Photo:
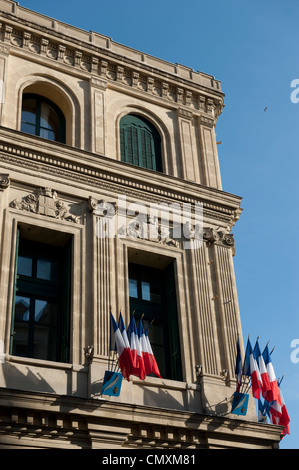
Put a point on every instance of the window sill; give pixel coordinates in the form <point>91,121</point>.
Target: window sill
<point>44,363</point>
<point>164,383</point>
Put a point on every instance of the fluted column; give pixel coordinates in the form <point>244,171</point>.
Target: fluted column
<point>104,274</point>
<point>209,153</point>
<point>205,318</point>
<point>227,300</point>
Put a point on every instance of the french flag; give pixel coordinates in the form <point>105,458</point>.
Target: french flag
<point>250,368</point>
<point>122,347</point>
<point>148,356</point>
<point>279,413</point>
<point>153,362</point>
<point>284,419</point>
<point>238,368</point>
<point>138,364</point>
<point>273,394</point>
<point>266,387</point>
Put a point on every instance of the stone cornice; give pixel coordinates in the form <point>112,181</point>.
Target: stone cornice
<point>92,171</point>
<point>199,92</point>
<point>137,423</point>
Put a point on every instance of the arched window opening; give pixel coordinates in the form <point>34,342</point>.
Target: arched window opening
<point>140,143</point>
<point>41,117</point>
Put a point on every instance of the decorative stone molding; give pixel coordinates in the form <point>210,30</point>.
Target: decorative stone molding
<point>184,113</point>
<point>4,181</point>
<point>99,83</point>
<point>155,233</point>
<point>92,61</point>
<point>206,121</point>
<point>101,179</point>
<point>211,236</point>
<point>44,202</point>
<point>102,207</point>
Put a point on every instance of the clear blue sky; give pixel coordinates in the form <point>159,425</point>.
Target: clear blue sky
<point>252,47</point>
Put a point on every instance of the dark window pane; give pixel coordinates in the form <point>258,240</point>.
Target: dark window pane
<point>21,326</point>
<point>145,290</point>
<point>28,128</point>
<point>48,134</point>
<point>45,312</point>
<point>25,265</point>
<point>48,117</point>
<point>47,269</point>
<point>29,111</point>
<point>45,330</point>
<point>22,308</point>
<point>133,288</point>
<point>45,343</point>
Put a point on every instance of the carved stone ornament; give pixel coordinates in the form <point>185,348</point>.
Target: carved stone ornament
<point>102,208</point>
<point>211,236</point>
<point>4,181</point>
<point>151,230</point>
<point>44,201</point>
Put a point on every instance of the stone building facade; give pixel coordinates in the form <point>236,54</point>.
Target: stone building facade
<point>94,136</point>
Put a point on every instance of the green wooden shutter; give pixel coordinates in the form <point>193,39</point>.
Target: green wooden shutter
<point>140,143</point>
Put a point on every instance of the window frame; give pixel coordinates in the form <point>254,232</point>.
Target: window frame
<point>167,315</point>
<point>39,289</point>
<point>61,131</point>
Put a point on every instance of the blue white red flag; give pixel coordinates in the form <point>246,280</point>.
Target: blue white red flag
<point>238,368</point>
<point>263,370</point>
<point>273,394</point>
<point>250,368</point>
<point>122,348</point>
<point>138,364</point>
<point>284,419</point>
<point>279,414</point>
<point>148,356</point>
<point>133,338</point>
<point>153,362</point>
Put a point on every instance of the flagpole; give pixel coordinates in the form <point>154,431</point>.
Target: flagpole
<point>244,385</point>
<point>109,354</point>
<point>280,380</point>
<point>265,347</point>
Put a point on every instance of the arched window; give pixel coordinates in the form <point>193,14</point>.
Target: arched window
<point>43,118</point>
<point>140,143</point>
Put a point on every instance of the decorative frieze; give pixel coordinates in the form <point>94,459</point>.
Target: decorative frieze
<point>166,89</point>
<point>143,226</point>
<point>44,201</point>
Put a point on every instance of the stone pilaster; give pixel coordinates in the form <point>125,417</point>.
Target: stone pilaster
<point>97,89</point>
<point>205,318</point>
<point>226,300</point>
<point>209,153</point>
<point>104,290</point>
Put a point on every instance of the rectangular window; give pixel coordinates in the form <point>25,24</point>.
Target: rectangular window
<point>153,295</point>
<point>40,326</point>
